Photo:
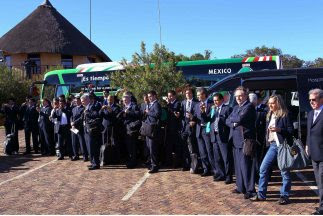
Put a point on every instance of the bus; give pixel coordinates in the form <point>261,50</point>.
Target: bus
<point>95,76</point>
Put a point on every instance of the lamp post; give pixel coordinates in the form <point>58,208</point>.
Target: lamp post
<point>90,20</point>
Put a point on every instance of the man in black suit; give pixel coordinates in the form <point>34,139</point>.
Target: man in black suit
<point>314,141</point>
<point>153,116</point>
<point>92,122</point>
<point>219,132</point>
<point>188,130</point>
<point>109,112</point>
<point>11,112</point>
<point>203,137</point>
<point>242,126</point>
<point>172,144</point>
<point>144,151</point>
<point>130,118</point>
<point>78,140</point>
<point>46,129</point>
<point>31,126</point>
<point>63,115</point>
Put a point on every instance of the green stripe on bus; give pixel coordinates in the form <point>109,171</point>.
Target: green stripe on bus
<point>208,62</point>
<point>250,59</point>
<point>274,58</point>
<point>89,70</point>
<point>108,68</point>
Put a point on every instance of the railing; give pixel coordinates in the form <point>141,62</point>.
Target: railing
<point>22,72</point>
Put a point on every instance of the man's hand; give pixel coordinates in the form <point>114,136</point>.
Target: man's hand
<point>177,114</point>
<point>192,123</point>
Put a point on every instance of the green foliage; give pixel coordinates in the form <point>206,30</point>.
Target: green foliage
<point>314,64</point>
<point>290,61</point>
<point>11,86</point>
<point>197,56</point>
<point>149,71</point>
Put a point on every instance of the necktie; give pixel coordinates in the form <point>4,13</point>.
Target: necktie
<point>315,115</point>
<point>188,106</point>
<point>216,122</point>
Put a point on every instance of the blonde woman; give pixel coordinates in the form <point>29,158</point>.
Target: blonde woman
<point>278,128</point>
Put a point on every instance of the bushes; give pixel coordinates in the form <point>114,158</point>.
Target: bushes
<point>11,86</point>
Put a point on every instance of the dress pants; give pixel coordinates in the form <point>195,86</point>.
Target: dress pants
<point>222,158</point>
<point>64,140</point>
<point>245,170</point>
<point>46,140</point>
<point>93,144</point>
<point>131,143</point>
<point>318,172</point>
<point>152,145</point>
<point>34,133</point>
<point>206,151</point>
<point>8,129</point>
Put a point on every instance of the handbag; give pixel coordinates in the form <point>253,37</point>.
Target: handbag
<point>133,127</point>
<point>148,129</point>
<point>9,142</point>
<point>292,157</point>
<point>249,146</point>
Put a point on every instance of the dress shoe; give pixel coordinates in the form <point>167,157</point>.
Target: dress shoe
<point>185,169</point>
<point>60,158</point>
<point>85,159</point>
<point>75,158</point>
<point>26,153</point>
<point>248,195</point>
<point>93,167</point>
<point>257,199</point>
<point>228,181</point>
<point>317,212</point>
<point>218,178</point>
<point>154,170</point>
<point>235,191</point>
<point>283,200</point>
<point>205,173</point>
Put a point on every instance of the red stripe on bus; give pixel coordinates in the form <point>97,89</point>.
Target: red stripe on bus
<point>256,59</point>
<point>270,58</point>
<point>244,59</point>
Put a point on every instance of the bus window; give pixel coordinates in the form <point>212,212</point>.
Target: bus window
<point>62,90</point>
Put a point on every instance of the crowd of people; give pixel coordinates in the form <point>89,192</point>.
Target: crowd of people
<point>202,136</point>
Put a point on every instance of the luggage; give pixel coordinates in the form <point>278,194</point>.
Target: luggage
<point>8,144</point>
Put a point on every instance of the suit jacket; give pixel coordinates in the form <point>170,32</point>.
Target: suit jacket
<point>132,115</point>
<point>186,128</point>
<point>154,113</point>
<point>142,110</point>
<point>261,112</point>
<point>31,117</point>
<point>223,129</point>
<point>11,115</point>
<point>110,118</point>
<point>58,115</point>
<point>199,119</point>
<point>315,136</point>
<point>77,114</point>
<point>44,115</point>
<point>245,118</point>
<point>286,127</point>
<point>173,123</point>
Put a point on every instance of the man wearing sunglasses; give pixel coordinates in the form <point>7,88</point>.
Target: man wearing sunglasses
<point>314,142</point>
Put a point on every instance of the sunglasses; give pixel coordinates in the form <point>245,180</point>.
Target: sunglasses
<point>313,100</point>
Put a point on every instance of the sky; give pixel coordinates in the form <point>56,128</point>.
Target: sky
<point>225,27</point>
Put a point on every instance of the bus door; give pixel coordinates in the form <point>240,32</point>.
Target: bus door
<point>62,90</point>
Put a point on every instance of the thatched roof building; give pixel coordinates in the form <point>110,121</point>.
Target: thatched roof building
<point>45,30</point>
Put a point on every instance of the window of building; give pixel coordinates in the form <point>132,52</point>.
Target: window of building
<point>67,61</point>
<point>33,63</point>
<point>7,60</point>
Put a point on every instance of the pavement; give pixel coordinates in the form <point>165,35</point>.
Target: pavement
<point>43,185</point>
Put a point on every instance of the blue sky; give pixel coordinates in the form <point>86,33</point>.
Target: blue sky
<point>189,26</point>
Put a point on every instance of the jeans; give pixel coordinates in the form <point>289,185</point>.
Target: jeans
<point>266,164</point>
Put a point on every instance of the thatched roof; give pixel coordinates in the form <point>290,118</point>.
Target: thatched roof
<point>46,30</point>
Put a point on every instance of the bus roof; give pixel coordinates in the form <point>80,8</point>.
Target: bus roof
<point>114,66</point>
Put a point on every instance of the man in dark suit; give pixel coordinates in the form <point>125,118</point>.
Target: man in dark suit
<point>11,112</point>
<point>109,112</point>
<point>130,119</point>
<point>219,132</point>
<point>153,116</point>
<point>144,151</point>
<point>314,141</point>
<point>242,126</point>
<point>31,126</point>
<point>63,115</point>
<point>92,122</point>
<point>78,140</point>
<point>46,129</point>
<point>203,137</point>
<point>188,130</point>
<point>172,144</point>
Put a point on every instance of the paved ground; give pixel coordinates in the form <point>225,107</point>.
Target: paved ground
<point>43,185</point>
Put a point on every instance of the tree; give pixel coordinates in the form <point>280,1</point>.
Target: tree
<point>290,61</point>
<point>196,56</point>
<point>149,71</point>
<point>316,63</point>
<point>11,86</point>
